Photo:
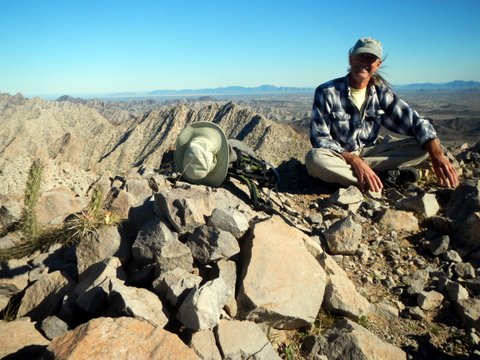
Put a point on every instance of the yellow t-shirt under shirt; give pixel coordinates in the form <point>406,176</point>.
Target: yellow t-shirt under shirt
<point>358,97</point>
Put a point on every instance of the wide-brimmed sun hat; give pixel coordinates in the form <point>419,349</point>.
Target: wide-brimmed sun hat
<point>367,45</point>
<point>201,154</point>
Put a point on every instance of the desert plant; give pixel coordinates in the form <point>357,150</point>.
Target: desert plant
<point>28,220</point>
<point>72,231</point>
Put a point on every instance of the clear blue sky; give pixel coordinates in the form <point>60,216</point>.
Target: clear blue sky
<point>85,46</point>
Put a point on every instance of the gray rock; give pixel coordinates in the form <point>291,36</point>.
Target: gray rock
<point>202,306</point>
<point>416,282</point>
<point>137,302</point>
<point>465,270</point>
<point>344,236</point>
<point>56,204</point>
<point>428,300</point>
<point>468,311</point>
<point>230,220</point>
<point>209,244</point>
<point>173,254</point>
<point>185,209</point>
<point>453,256</point>
<point>400,221</point>
<point>347,196</point>
<point>101,245</point>
<point>243,340</point>
<point>350,341</point>
<point>439,245</point>
<point>204,345</point>
<point>456,291</point>
<point>425,205</point>
<point>150,239</point>
<point>43,297</point>
<point>416,313</point>
<point>174,285</point>
<point>88,294</point>
<point>227,270</point>
<point>52,327</point>
<point>341,297</point>
<point>287,296</point>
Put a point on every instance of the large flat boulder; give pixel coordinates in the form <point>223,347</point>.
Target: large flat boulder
<point>282,283</point>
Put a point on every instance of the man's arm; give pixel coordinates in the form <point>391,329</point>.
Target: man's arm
<point>445,171</point>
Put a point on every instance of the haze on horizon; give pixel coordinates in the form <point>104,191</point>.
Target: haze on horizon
<point>58,47</point>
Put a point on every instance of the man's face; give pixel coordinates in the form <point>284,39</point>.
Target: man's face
<point>363,66</point>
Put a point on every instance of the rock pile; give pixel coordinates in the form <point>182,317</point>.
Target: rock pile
<point>195,272</point>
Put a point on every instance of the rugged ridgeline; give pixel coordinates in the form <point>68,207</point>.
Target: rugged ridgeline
<point>77,142</point>
<point>194,272</point>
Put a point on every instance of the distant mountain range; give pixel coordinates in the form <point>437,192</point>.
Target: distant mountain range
<point>452,85</point>
<point>271,89</point>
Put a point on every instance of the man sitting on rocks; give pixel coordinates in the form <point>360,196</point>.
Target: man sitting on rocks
<point>347,115</point>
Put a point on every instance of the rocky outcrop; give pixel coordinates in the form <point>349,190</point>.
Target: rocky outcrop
<point>195,265</point>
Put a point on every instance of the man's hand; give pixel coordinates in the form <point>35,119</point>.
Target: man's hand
<point>367,179</point>
<point>445,171</point>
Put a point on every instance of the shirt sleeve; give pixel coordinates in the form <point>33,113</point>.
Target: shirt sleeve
<point>404,120</point>
<point>320,136</point>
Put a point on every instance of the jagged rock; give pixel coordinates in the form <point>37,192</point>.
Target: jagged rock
<point>341,297</point>
<point>416,313</point>
<point>347,196</point>
<point>350,341</point>
<point>456,291</point>
<point>52,327</point>
<point>100,245</point>
<point>10,212</point>
<point>202,306</point>
<point>175,284</point>
<point>464,201</point>
<point>227,270</point>
<point>344,236</point>
<point>453,256</point>
<point>203,343</point>
<point>423,204</point>
<point>184,209</point>
<point>138,186</point>
<point>470,229</point>
<point>56,204</point>
<point>137,302</point>
<point>396,220</point>
<point>43,297</point>
<point>385,310</point>
<point>468,310</point>
<point>88,295</point>
<point>286,296</point>
<point>439,245</point>
<point>12,281</point>
<point>230,220</point>
<point>122,203</point>
<point>428,300</point>
<point>243,340</point>
<point>150,239</point>
<point>21,340</point>
<point>465,270</point>
<point>120,338</point>
<point>416,282</point>
<point>209,244</point>
<point>173,254</point>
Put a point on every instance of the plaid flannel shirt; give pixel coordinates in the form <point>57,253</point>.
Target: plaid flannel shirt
<point>338,125</point>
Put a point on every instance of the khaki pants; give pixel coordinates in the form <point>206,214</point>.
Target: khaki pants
<point>389,154</point>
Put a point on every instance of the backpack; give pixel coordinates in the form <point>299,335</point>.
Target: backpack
<point>254,172</point>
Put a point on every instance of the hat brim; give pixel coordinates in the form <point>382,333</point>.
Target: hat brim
<point>215,177</point>
<point>367,50</point>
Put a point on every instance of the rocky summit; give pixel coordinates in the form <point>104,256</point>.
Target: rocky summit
<point>167,269</point>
